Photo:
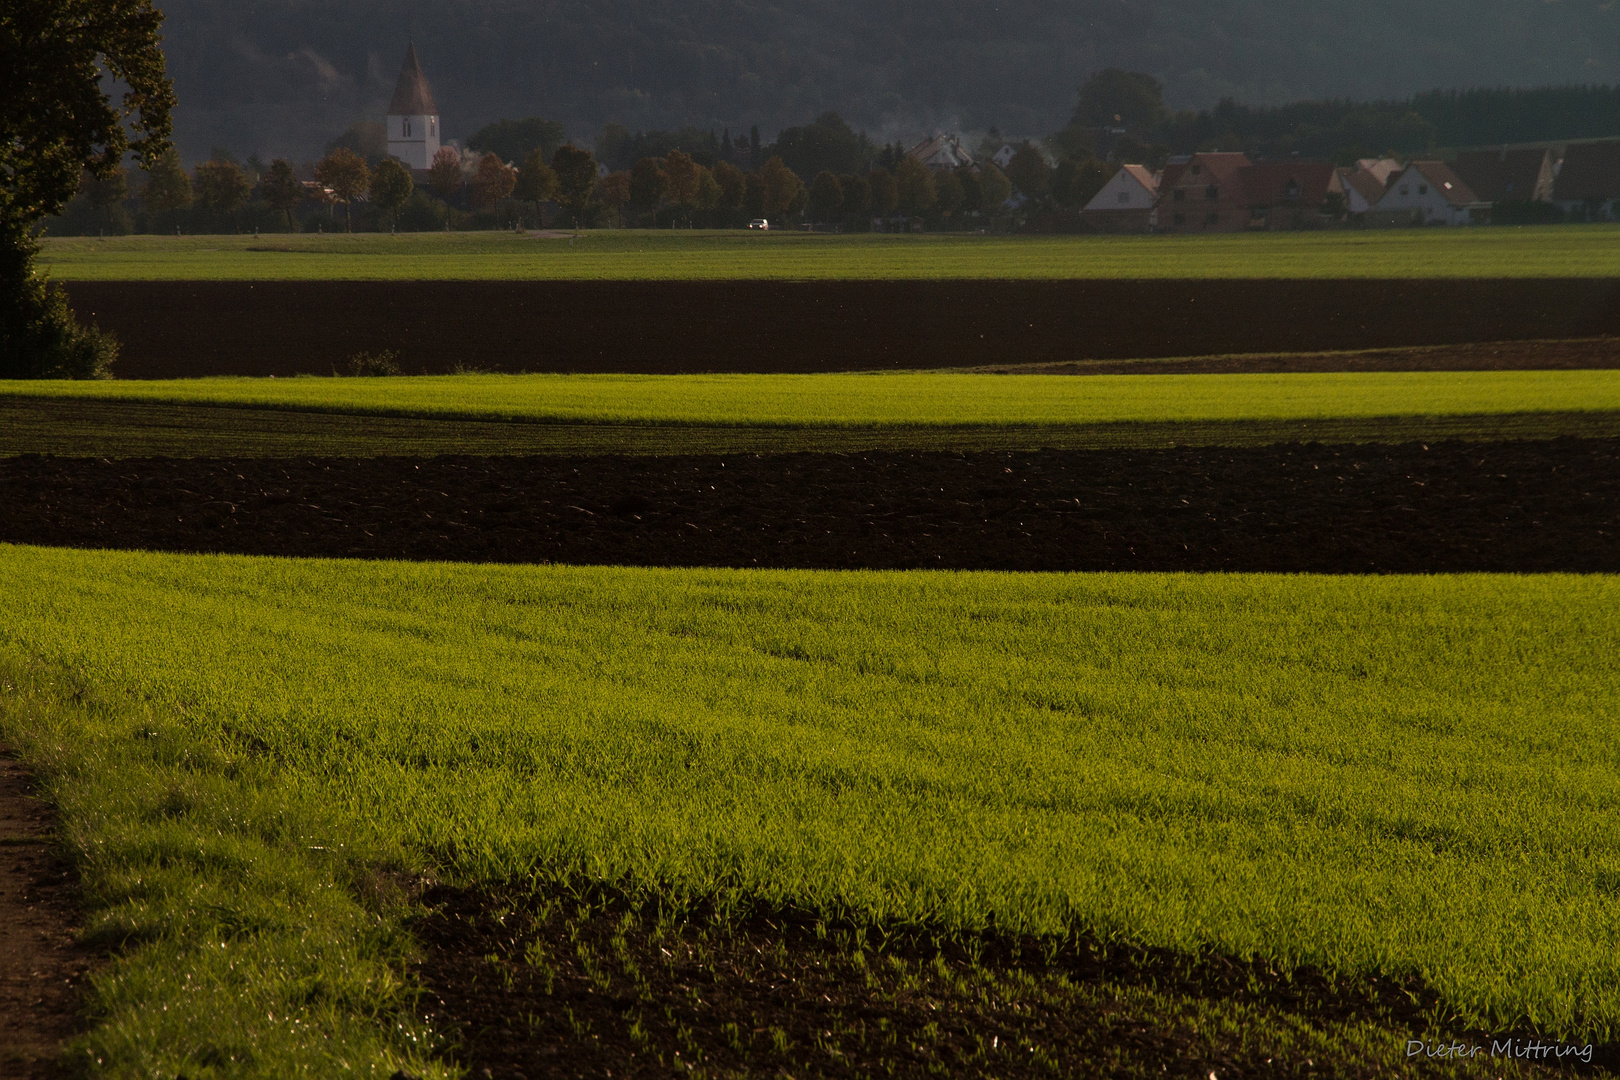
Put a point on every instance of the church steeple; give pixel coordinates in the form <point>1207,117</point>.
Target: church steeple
<point>413,118</point>
<point>411,94</point>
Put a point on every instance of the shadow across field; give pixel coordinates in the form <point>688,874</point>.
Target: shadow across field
<point>190,328</point>
<point>1549,505</point>
<point>84,427</point>
<point>587,981</point>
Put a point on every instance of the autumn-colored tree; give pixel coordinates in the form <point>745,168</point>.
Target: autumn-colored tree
<point>220,187</point>
<point>536,181</point>
<point>444,173</point>
<point>493,181</point>
<point>826,196</point>
<point>732,185</point>
<point>167,186</point>
<point>345,172</point>
<point>680,178</point>
<point>613,192</point>
<point>392,187</point>
<point>281,189</point>
<point>782,187</point>
<point>885,192</point>
<point>576,179</point>
<point>914,187</point>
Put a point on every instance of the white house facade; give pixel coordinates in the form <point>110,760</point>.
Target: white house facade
<point>413,118</point>
<point>1132,188</point>
<point>1434,195</point>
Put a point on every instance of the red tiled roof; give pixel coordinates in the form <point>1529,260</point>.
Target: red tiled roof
<point>1272,183</point>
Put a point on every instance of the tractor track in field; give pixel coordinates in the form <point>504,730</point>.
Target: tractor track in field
<point>42,966</point>
<point>1523,506</point>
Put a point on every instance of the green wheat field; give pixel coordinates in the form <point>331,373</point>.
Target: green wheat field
<point>1405,775</point>
<point>1590,251</point>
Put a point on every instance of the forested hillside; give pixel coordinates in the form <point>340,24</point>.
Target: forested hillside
<point>285,76</point>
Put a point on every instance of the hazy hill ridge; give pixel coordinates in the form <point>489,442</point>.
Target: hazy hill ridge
<point>284,76</point>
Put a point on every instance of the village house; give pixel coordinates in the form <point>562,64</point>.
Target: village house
<point>1429,193</point>
<point>1502,176</point>
<point>1365,182</point>
<point>1125,203</point>
<point>413,118</point>
<point>1588,183</point>
<point>940,152</point>
<point>1202,193</point>
<point>1292,194</point>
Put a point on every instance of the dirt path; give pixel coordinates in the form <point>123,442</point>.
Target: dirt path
<point>42,968</point>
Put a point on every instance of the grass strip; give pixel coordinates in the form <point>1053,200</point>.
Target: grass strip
<point>128,429</point>
<point>935,398</point>
<point>1542,251</point>
<point>1408,776</point>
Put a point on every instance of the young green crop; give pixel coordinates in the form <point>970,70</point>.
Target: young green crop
<point>1396,774</point>
<point>889,398</point>
<point>1547,251</point>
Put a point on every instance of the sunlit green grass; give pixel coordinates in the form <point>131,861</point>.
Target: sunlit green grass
<point>1544,251</point>
<point>1408,775</point>
<point>888,398</point>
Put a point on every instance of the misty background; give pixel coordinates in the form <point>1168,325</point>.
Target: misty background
<point>284,77</point>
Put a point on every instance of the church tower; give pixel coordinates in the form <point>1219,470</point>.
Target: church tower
<point>413,119</point>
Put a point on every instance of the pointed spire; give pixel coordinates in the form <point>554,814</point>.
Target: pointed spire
<point>412,96</point>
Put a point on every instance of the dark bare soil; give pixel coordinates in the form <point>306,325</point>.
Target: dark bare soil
<point>1551,505</point>
<point>580,985</point>
<point>189,328</point>
<point>42,968</point>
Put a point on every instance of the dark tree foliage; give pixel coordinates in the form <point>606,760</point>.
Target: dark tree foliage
<point>826,196</point>
<point>391,187</point>
<point>647,184</point>
<point>1118,98</point>
<point>367,138</point>
<point>515,140</point>
<point>828,145</point>
<point>576,179</point>
<point>618,148</point>
<point>56,123</point>
<point>280,188</point>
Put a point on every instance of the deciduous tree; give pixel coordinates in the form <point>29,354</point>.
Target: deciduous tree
<point>536,181</point>
<point>576,179</point>
<point>1029,172</point>
<point>826,196</point>
<point>281,189</point>
<point>444,174</point>
<point>167,187</point>
<point>857,196</point>
<point>647,184</point>
<point>391,188</point>
<point>732,185</point>
<point>56,122</point>
<point>949,196</point>
<point>493,181</point>
<point>782,187</point>
<point>345,172</point>
<point>220,188</point>
<point>681,176</point>
<point>994,188</point>
<point>885,192</point>
<point>914,187</point>
<point>613,192</point>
